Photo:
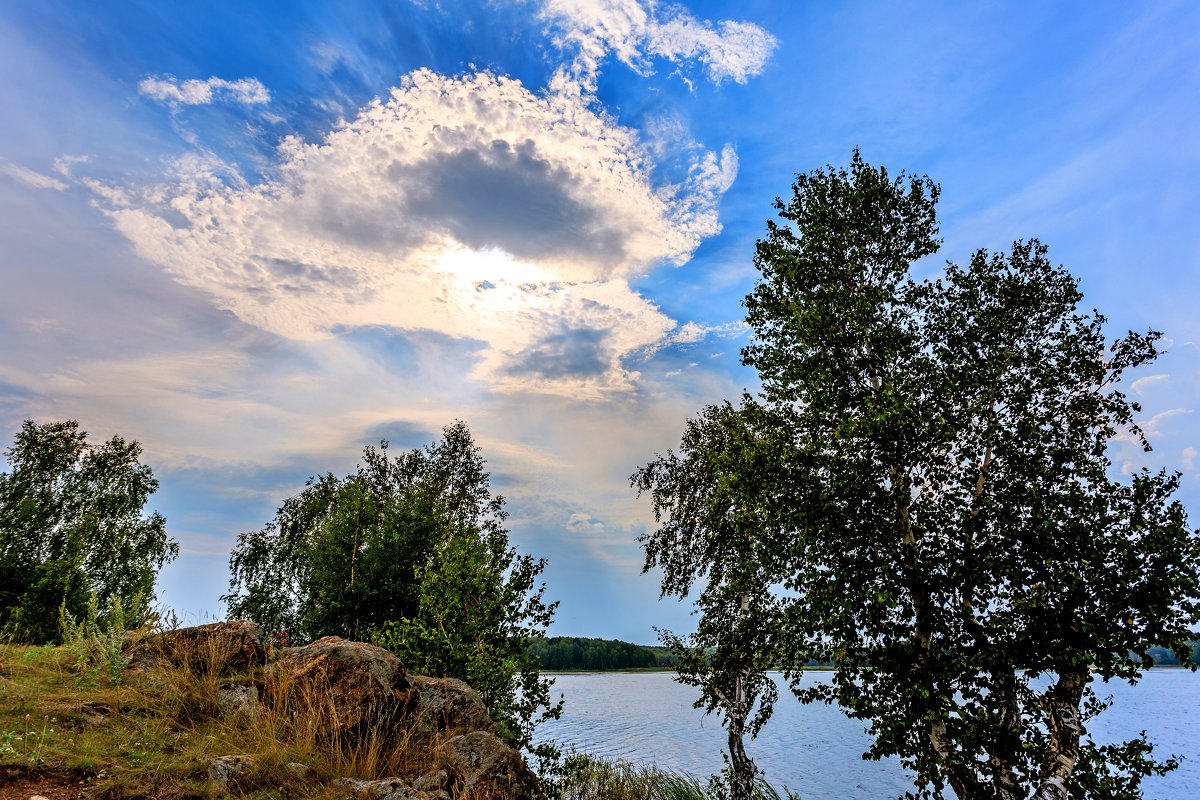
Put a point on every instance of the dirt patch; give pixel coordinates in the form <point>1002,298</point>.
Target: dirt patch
<point>24,783</point>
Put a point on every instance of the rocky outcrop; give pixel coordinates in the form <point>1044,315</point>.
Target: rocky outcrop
<point>439,704</point>
<point>235,700</point>
<point>391,789</point>
<point>488,768</point>
<point>431,786</point>
<point>348,689</point>
<point>220,648</point>
<point>352,685</point>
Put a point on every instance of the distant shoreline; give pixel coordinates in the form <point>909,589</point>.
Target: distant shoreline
<point>634,670</point>
<point>644,669</point>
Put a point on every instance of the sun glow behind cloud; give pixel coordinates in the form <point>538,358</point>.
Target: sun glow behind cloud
<point>468,206</point>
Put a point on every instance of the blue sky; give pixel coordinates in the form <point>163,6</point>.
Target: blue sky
<point>258,236</point>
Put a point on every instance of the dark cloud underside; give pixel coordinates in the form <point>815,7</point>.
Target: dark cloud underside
<point>507,197</point>
<point>571,354</point>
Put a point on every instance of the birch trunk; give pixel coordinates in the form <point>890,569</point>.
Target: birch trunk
<point>742,781</point>
<point>1061,702</point>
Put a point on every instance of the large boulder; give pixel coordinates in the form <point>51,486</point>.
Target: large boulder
<point>488,769</point>
<point>350,685</point>
<point>438,704</point>
<point>220,648</point>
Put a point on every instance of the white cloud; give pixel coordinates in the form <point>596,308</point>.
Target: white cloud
<point>326,56</point>
<point>732,50</point>
<point>1152,428</point>
<point>467,206</point>
<point>1141,384</point>
<point>27,177</point>
<point>168,90</point>
<point>692,332</point>
<point>1188,458</point>
<point>64,164</point>
<point>635,31</point>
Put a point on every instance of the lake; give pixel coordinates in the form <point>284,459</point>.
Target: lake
<point>816,751</point>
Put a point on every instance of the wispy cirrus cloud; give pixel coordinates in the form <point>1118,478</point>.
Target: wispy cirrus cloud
<point>169,90</point>
<point>30,178</point>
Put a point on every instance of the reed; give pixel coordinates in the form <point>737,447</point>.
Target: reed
<point>585,777</point>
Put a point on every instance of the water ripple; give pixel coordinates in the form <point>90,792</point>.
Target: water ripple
<point>815,750</point>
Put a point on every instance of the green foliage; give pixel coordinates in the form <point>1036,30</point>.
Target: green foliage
<point>958,531</point>
<point>410,552</point>
<point>96,640</point>
<point>50,589</point>
<point>723,526</point>
<point>571,652</point>
<point>71,523</point>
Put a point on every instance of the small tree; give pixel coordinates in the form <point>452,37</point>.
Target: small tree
<point>966,550</point>
<point>721,527</point>
<point>71,523</point>
<point>410,552</point>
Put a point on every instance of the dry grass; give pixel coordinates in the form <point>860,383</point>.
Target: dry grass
<point>154,735</point>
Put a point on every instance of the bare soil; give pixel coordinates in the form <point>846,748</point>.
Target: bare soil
<point>26,783</point>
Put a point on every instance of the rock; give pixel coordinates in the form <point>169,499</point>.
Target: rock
<point>437,704</point>
<point>222,768</point>
<point>94,714</point>
<point>220,648</point>
<point>432,781</point>
<point>235,700</point>
<point>385,789</point>
<point>488,768</point>
<point>300,771</point>
<point>353,685</point>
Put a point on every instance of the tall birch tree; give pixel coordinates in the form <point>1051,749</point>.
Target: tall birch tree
<point>964,546</point>
<point>720,531</point>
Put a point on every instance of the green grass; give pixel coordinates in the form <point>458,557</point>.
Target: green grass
<point>588,778</point>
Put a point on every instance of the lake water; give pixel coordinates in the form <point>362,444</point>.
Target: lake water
<point>816,751</point>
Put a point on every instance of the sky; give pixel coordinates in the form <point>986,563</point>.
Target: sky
<point>258,236</point>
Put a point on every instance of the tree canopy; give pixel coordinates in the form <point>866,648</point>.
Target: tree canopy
<point>961,545</point>
<point>923,497</point>
<point>72,524</point>
<point>722,528</point>
<point>411,552</point>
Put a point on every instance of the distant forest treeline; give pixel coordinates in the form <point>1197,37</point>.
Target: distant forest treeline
<point>572,652</point>
<point>1166,658</point>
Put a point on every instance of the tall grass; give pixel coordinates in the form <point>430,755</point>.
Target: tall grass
<point>584,777</point>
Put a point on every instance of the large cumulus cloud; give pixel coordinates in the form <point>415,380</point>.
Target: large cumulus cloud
<point>468,206</point>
